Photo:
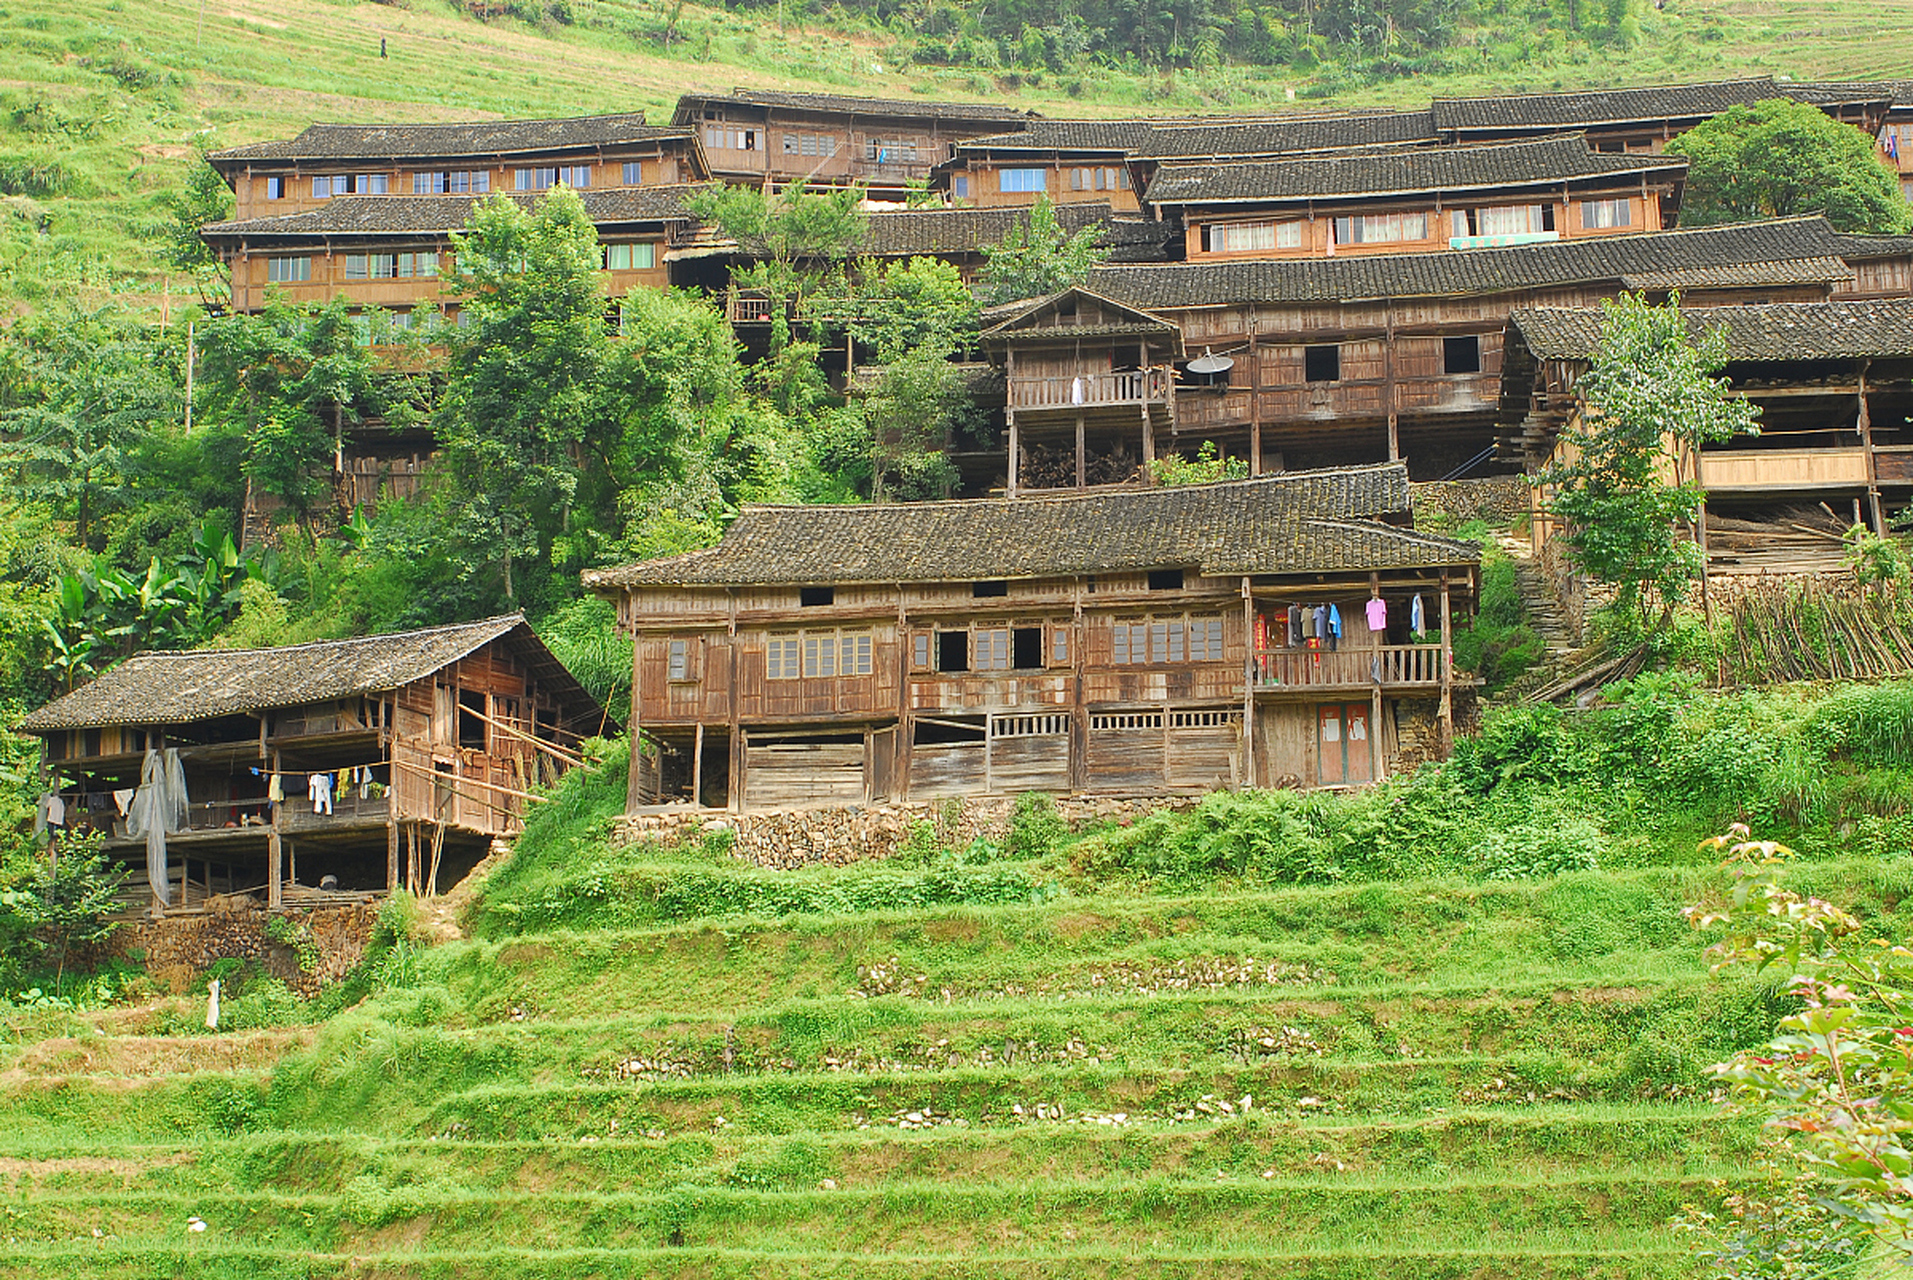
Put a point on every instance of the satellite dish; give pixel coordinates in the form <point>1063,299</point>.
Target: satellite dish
<point>1207,364</point>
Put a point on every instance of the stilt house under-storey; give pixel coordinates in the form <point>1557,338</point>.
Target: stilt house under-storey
<point>428,742</point>
<point>1132,641</point>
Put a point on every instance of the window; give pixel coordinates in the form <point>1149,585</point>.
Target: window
<point>576,176</point>
<point>1321,364</point>
<point>1246,237</point>
<point>1381,228</point>
<point>1041,724</point>
<point>1165,580</point>
<point>960,186</point>
<point>990,649</point>
<point>535,179</point>
<point>1126,720</point>
<point>953,651</point>
<point>1129,643</point>
<point>630,257</point>
<point>854,653</point>
<point>633,173</point>
<point>1601,215</point>
<point>983,589</point>
<point>1173,639</point>
<point>820,654</point>
<point>920,651</point>
<point>422,263</point>
<point>325,186</point>
<point>812,596</point>
<point>1101,178</point>
<point>1461,355</point>
<point>462,182</point>
<point>1205,639</point>
<point>810,144</point>
<point>891,150</point>
<point>679,665</point>
<point>275,188</point>
<point>372,266</point>
<point>1026,648</point>
<point>1514,219</point>
<point>1022,179</point>
<point>288,270</point>
<point>730,139</point>
<point>471,721</point>
<point>1059,646</point>
<point>780,658</point>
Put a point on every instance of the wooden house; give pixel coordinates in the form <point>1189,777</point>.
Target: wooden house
<point>1834,381</point>
<point>1356,359</point>
<point>1132,641</point>
<point>329,161</point>
<point>429,743</point>
<point>395,252</point>
<point>1410,200</point>
<point>758,136</point>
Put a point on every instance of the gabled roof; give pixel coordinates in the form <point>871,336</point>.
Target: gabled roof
<point>1286,135</point>
<point>963,230</point>
<point>432,215</point>
<point>184,686</point>
<point>845,104</point>
<point>1777,331</point>
<point>1563,158</point>
<point>1642,105</point>
<point>1788,251</point>
<point>1008,323</point>
<point>468,138</point>
<point>1298,522</point>
<point>1064,135</point>
<point>1854,247</point>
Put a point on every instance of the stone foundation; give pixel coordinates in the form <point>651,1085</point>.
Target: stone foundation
<point>175,950</point>
<point>1496,499</point>
<point>835,837</point>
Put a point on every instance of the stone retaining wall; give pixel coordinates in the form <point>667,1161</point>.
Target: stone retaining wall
<point>1496,499</point>
<point>835,837</point>
<point>175,950</point>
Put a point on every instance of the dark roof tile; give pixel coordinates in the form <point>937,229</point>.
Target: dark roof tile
<point>1288,135</point>
<point>1627,106</point>
<point>468,138</point>
<point>429,215</point>
<point>1399,171</point>
<point>838,103</point>
<point>1300,522</point>
<point>960,230</point>
<point>1774,331</point>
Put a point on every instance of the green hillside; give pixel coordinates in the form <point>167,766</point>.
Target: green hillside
<point>1328,1037</point>
<point>102,101</point>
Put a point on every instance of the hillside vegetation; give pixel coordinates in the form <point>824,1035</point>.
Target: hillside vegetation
<point>1452,1027</point>
<point>103,101</point>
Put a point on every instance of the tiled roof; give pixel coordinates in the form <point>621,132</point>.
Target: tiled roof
<point>961,230</point>
<point>425,215</point>
<point>1624,106</point>
<point>1004,321</point>
<point>1852,246</point>
<point>846,104</point>
<point>1798,245</point>
<point>1064,135</point>
<point>1398,171</point>
<point>1767,332</point>
<point>1286,135</point>
<point>470,138</point>
<point>180,687</point>
<point>1300,522</point>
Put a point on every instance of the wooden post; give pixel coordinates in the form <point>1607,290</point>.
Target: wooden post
<point>391,796</point>
<point>1248,685</point>
<point>1016,461</point>
<point>634,788</point>
<point>1874,505</point>
<point>1700,536</point>
<point>1081,462</point>
<point>1255,404</point>
<point>697,766</point>
<point>274,871</point>
<point>1375,761</point>
<point>1079,710</point>
<point>1148,445</point>
<point>1388,375</point>
<point>1446,713</point>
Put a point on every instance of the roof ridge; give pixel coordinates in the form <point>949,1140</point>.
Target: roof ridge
<point>1769,78</point>
<point>474,624</point>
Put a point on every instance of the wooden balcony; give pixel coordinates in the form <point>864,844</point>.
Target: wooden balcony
<point>1783,469</point>
<point>1310,670</point>
<point>1091,390</point>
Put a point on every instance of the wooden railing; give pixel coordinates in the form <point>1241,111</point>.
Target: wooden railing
<point>1132,387</point>
<point>1390,664</point>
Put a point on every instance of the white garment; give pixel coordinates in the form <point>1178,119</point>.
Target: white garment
<point>212,1005</point>
<point>55,809</point>
<point>275,789</point>
<point>123,797</point>
<point>319,789</point>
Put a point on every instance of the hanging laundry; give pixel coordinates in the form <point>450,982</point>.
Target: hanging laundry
<point>1320,615</point>
<point>319,791</point>
<point>1415,615</point>
<point>275,788</point>
<point>1308,624</point>
<point>122,798</point>
<point>55,809</point>
<point>1334,626</point>
<point>1377,614</point>
<point>1295,624</point>
<point>365,782</point>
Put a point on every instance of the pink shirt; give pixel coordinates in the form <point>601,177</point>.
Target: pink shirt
<point>1377,614</point>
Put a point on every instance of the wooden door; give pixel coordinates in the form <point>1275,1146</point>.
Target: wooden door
<point>1342,746</point>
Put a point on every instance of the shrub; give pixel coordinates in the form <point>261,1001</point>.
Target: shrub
<point>1534,852</point>
<point>1036,829</point>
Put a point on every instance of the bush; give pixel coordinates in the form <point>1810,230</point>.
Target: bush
<point>1534,852</point>
<point>1036,829</point>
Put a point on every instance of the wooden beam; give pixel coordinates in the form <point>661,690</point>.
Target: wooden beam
<point>697,766</point>
<point>1445,714</point>
<point>1248,685</point>
<point>1375,760</point>
<point>634,786</point>
<point>1878,510</point>
<point>274,870</point>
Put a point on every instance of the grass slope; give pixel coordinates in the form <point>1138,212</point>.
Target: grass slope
<point>117,94</point>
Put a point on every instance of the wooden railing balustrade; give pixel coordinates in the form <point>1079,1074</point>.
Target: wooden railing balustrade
<point>1130,387</point>
<point>1389,664</point>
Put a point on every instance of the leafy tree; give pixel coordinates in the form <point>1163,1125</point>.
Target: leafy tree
<point>1623,480</point>
<point>1781,158</point>
<point>204,198</point>
<point>1036,258</point>
<point>54,900</point>
<point>799,239</point>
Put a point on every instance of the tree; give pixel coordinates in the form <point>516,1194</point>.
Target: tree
<point>1837,1079</point>
<point>799,239</point>
<point>54,900</point>
<point>204,198</point>
<point>525,386</point>
<point>1624,478</point>
<point>1782,158</point>
<point>1036,258</point>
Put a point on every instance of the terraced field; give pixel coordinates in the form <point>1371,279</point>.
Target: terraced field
<point>1430,1079</point>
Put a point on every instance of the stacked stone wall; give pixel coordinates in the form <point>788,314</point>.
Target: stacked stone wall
<point>175,950</point>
